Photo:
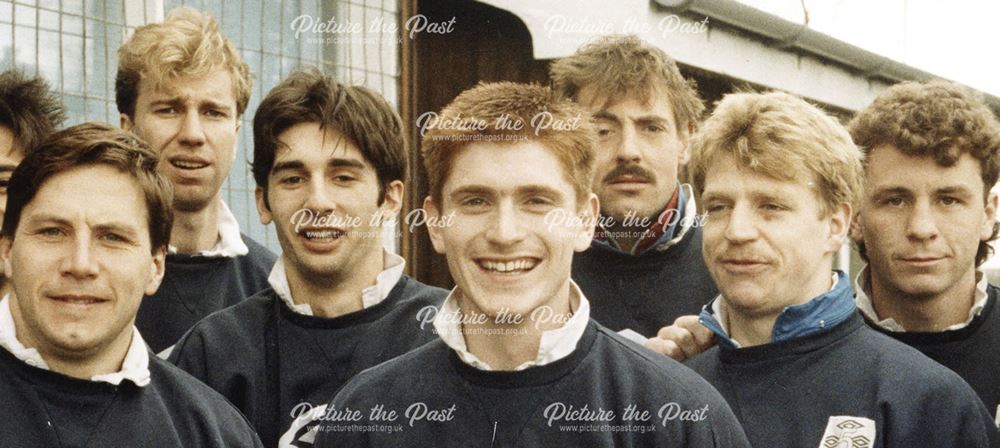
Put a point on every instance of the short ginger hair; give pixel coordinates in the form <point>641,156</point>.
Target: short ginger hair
<point>518,103</point>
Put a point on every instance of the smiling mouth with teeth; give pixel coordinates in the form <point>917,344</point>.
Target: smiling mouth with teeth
<point>509,267</point>
<point>322,235</point>
<point>182,164</point>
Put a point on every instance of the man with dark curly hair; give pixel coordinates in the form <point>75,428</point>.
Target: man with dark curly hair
<point>925,223</point>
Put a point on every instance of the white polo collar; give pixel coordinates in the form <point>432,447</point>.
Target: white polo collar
<point>135,366</point>
<point>862,288</point>
<point>230,243</point>
<point>555,344</point>
<point>370,296</point>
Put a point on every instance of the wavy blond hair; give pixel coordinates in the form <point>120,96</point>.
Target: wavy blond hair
<point>782,137</point>
<point>187,43</point>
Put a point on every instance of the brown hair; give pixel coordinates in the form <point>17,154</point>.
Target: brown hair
<point>361,115</point>
<point>91,144</point>
<point>782,137</point>
<point>187,43</point>
<point>940,120</point>
<point>28,108</point>
<point>625,64</point>
<point>480,108</point>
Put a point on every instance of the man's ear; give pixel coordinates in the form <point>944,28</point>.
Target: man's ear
<point>990,220</point>
<point>157,268</point>
<point>840,225</point>
<point>392,202</point>
<point>236,145</point>
<point>5,247</point>
<point>125,122</point>
<point>435,232</point>
<point>685,138</point>
<point>262,208</point>
<point>856,232</point>
<point>588,214</point>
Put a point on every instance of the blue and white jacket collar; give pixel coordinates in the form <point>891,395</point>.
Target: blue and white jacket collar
<point>817,315</point>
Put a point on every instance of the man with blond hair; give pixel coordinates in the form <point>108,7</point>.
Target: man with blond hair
<point>932,154</point>
<point>182,87</point>
<point>779,180</point>
<point>519,362</point>
<point>644,268</point>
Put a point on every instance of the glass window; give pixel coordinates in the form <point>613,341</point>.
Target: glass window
<point>74,43</point>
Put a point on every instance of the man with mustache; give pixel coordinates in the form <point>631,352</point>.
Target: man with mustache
<point>925,225</point>
<point>29,112</point>
<point>519,362</point>
<point>779,180</point>
<point>183,88</point>
<point>329,161</point>
<point>84,238</point>
<point>644,268</point>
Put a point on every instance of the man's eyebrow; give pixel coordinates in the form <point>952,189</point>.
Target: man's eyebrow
<point>651,119</point>
<point>471,189</point>
<point>340,162</point>
<point>539,189</point>
<point>120,227</point>
<point>216,105</point>
<point>954,189</point>
<point>605,115</point>
<point>178,101</point>
<point>890,189</point>
<point>287,165</point>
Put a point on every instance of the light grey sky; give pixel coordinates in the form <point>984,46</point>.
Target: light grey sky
<point>955,39</point>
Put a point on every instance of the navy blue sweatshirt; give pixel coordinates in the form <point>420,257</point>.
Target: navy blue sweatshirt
<point>608,392</point>
<point>45,409</point>
<point>276,365</point>
<point>194,287</point>
<point>972,352</point>
<point>644,292</point>
<point>839,385</point>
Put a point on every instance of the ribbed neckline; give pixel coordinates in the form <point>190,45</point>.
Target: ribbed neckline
<point>942,337</point>
<point>805,344</point>
<point>55,380</point>
<point>532,376</point>
<point>365,315</point>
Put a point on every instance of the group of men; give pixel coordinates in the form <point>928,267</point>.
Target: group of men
<point>571,247</point>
